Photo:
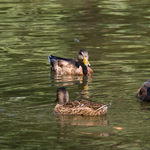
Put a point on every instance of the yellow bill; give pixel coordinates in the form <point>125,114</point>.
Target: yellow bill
<point>85,61</point>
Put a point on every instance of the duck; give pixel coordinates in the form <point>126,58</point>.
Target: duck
<point>77,107</point>
<point>70,66</point>
<point>143,92</point>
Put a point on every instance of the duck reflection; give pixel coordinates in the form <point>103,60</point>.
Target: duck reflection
<point>83,87</point>
<point>145,106</point>
<point>81,81</point>
<point>71,80</point>
<point>96,134</point>
<point>63,120</point>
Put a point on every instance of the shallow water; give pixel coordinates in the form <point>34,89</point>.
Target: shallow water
<point>116,35</point>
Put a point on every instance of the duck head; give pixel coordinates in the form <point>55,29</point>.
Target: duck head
<point>83,57</point>
<point>62,96</point>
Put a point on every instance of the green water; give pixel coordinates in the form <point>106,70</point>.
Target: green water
<point>117,37</point>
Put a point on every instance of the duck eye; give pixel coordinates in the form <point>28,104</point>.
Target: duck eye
<point>80,53</point>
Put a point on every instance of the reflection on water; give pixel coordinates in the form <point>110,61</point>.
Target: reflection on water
<point>65,80</point>
<point>96,134</point>
<point>84,88</point>
<point>64,120</point>
<point>145,106</point>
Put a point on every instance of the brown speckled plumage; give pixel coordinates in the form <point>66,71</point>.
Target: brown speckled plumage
<point>143,92</point>
<point>77,107</point>
<point>61,65</point>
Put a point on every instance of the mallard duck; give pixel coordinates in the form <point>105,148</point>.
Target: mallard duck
<point>143,92</point>
<point>77,107</point>
<point>71,66</point>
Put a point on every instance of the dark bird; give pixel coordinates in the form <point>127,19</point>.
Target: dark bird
<point>143,92</point>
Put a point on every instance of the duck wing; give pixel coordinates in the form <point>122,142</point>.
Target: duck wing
<point>62,61</point>
<point>85,103</point>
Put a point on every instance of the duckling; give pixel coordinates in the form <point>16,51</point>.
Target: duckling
<point>71,66</point>
<point>77,107</point>
<point>143,92</point>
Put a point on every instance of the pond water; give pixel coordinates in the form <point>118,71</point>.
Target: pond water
<point>117,36</point>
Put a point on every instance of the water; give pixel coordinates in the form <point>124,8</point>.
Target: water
<point>116,35</point>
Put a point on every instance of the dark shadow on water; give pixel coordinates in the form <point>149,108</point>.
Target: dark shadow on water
<point>145,105</point>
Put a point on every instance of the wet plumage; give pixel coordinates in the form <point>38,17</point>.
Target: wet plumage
<point>77,107</point>
<point>143,92</point>
<point>70,66</point>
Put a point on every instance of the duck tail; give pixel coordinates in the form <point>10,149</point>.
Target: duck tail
<point>105,106</point>
<point>49,59</point>
<point>108,105</point>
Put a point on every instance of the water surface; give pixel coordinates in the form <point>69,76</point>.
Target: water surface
<point>116,35</point>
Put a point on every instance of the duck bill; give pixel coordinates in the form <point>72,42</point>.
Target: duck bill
<point>85,61</point>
